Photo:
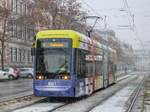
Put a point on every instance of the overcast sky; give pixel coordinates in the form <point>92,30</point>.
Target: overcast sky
<point>115,18</point>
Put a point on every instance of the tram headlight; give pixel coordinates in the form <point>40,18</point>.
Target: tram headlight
<point>39,77</point>
<point>66,77</point>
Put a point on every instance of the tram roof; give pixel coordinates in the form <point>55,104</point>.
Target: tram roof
<point>76,36</point>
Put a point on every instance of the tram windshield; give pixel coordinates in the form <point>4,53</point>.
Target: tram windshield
<point>51,61</point>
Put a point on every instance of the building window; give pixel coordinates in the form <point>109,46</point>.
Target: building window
<point>15,54</point>
<point>20,8</point>
<point>16,6</point>
<point>11,54</point>
<point>22,53</point>
<point>12,29</point>
<point>12,5</point>
<point>29,56</point>
<point>25,30</point>
<point>28,37</point>
<point>21,30</point>
<point>16,31</point>
<point>19,53</point>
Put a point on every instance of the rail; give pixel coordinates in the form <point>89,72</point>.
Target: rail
<point>141,85</point>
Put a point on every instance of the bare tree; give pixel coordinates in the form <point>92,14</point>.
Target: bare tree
<point>4,14</point>
<point>55,14</point>
<point>73,14</point>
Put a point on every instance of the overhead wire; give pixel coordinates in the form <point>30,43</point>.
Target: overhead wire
<point>93,10</point>
<point>130,15</point>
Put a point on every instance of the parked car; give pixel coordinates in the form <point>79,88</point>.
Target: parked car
<point>12,73</point>
<point>3,75</point>
<point>26,72</point>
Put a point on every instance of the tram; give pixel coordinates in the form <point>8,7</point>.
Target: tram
<point>70,64</point>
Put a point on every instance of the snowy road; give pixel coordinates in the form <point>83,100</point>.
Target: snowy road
<point>117,103</point>
<point>10,89</point>
<point>121,89</point>
<point>118,93</point>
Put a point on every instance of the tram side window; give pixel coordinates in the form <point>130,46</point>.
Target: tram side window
<point>99,68</point>
<point>89,68</point>
<point>81,64</point>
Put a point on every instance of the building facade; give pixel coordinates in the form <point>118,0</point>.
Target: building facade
<point>19,35</point>
<point>142,59</point>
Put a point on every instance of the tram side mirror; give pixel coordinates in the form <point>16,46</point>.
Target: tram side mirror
<point>32,51</point>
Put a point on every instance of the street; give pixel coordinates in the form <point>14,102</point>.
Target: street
<point>15,87</point>
<point>122,91</point>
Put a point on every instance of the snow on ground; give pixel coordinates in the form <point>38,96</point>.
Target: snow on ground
<point>40,107</point>
<point>123,77</point>
<point>117,102</point>
<point>140,73</point>
<point>120,72</point>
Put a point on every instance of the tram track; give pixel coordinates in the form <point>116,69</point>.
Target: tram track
<point>131,100</point>
<point>110,95</point>
<point>146,97</point>
<point>119,80</point>
<point>136,94</point>
<point>23,93</point>
<point>12,104</point>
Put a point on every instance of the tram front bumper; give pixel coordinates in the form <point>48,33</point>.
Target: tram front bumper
<point>56,91</point>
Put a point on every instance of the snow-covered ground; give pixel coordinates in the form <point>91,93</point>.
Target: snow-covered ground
<point>140,73</point>
<point>123,72</point>
<point>117,102</point>
<point>123,77</point>
<point>120,72</point>
<point>40,107</point>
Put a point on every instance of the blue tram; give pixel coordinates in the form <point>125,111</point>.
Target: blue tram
<point>69,64</point>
